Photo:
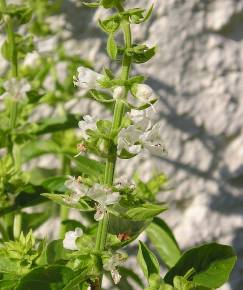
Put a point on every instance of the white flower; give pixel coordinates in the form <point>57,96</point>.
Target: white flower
<point>31,59</point>
<point>142,94</point>
<point>151,140</point>
<point>69,241</point>
<point>87,123</point>
<point>119,92</point>
<point>87,78</point>
<point>140,119</point>
<point>128,139</point>
<point>122,183</point>
<point>77,189</point>
<point>145,93</point>
<point>16,89</point>
<point>104,197</point>
<point>112,263</point>
<point>133,139</point>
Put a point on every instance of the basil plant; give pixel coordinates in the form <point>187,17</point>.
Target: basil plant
<point>38,81</point>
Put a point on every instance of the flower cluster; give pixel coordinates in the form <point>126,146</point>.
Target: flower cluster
<point>102,195</point>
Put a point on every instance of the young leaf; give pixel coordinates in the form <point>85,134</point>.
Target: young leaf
<point>147,261</point>
<point>111,24</point>
<point>164,242</point>
<point>112,47</point>
<point>145,211</point>
<point>142,57</point>
<point>213,264</point>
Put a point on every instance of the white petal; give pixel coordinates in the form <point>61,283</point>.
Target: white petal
<point>135,149</point>
<point>98,193</point>
<point>115,276</point>
<point>87,78</point>
<point>119,92</point>
<point>112,198</point>
<point>69,241</point>
<point>100,212</point>
<point>76,187</point>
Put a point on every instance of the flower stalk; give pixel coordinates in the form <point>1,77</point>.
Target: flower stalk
<point>117,119</point>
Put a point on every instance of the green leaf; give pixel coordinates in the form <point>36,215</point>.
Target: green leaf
<point>92,4</point>
<point>145,211</point>
<point>8,266</point>
<point>164,242</point>
<point>29,197</point>
<point>78,279</point>
<point>21,12</point>
<point>54,124</point>
<point>6,50</point>
<point>8,284</point>
<point>142,57</point>
<point>180,283</point>
<point>101,96</point>
<point>110,24</point>
<point>37,148</point>
<point>89,166</point>
<point>147,261</point>
<point>55,252</point>
<point>33,220</point>
<point>138,18</point>
<point>104,127</point>
<point>48,278</point>
<point>128,273</point>
<point>53,184</point>
<point>111,47</point>
<point>213,264</point>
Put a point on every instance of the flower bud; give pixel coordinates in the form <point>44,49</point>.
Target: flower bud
<point>119,93</point>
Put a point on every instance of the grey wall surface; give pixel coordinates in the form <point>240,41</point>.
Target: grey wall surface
<point>197,73</point>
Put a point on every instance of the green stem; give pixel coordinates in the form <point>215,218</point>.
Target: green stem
<point>17,225</point>
<point>14,103</point>
<point>11,40</point>
<point>117,119</point>
<point>64,211</point>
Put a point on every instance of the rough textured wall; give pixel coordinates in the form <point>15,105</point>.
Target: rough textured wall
<point>197,74</point>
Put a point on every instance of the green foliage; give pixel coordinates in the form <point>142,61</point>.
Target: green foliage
<point>164,241</point>
<point>212,264</point>
<point>147,261</point>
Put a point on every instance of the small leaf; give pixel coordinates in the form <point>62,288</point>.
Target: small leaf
<point>164,242</point>
<point>145,56</point>
<point>147,261</point>
<point>55,184</point>
<point>92,4</point>
<point>213,264</point>
<point>145,211</point>
<point>110,24</point>
<point>112,47</point>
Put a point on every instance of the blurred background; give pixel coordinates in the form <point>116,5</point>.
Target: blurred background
<point>197,74</point>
